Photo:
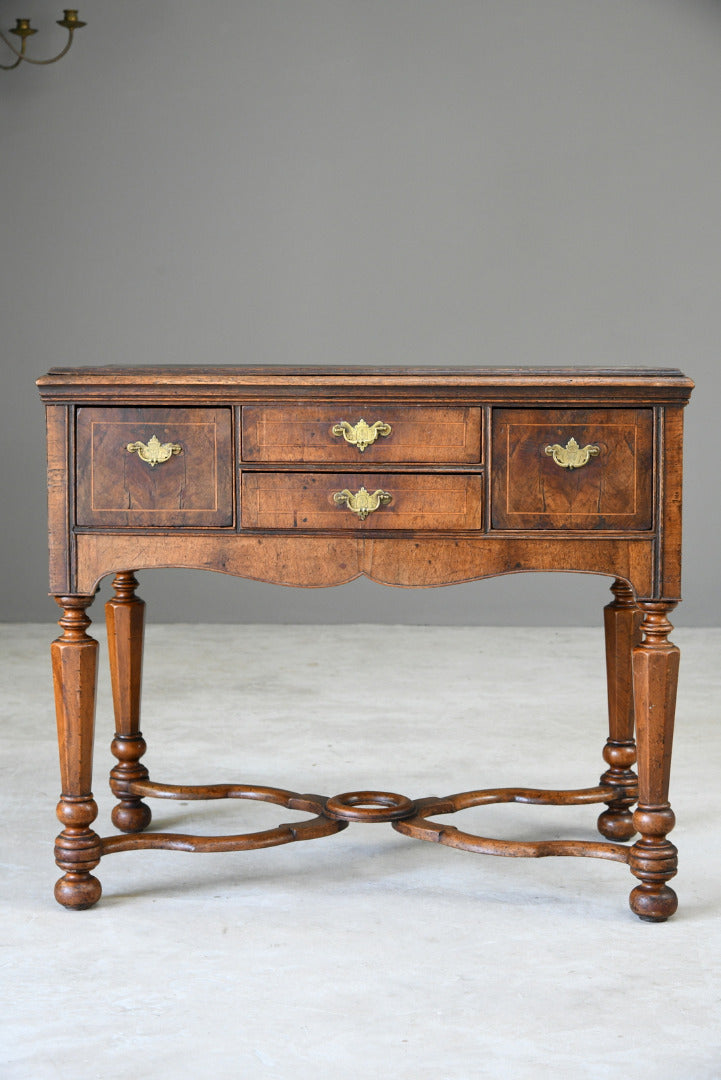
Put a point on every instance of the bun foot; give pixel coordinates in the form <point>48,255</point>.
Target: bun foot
<point>78,891</point>
<point>616,825</point>
<point>653,904</point>
<point>131,817</point>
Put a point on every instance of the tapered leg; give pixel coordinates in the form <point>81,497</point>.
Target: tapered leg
<point>655,675</point>
<point>622,622</point>
<point>75,665</point>
<point>125,618</point>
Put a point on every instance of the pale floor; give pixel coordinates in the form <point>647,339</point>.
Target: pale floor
<point>363,954</point>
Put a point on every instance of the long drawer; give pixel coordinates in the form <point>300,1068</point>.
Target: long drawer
<point>357,432</point>
<point>360,501</point>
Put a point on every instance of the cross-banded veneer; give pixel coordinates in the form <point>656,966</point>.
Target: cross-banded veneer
<point>413,477</point>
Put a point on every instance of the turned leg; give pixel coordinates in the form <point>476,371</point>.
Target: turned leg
<point>622,622</point>
<point>655,675</point>
<point>75,665</point>
<point>125,617</point>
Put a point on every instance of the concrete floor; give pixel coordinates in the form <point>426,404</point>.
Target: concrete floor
<point>365,953</point>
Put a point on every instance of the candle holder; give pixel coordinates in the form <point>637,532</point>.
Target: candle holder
<point>24,30</point>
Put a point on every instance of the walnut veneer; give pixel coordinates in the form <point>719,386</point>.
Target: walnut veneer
<point>412,477</point>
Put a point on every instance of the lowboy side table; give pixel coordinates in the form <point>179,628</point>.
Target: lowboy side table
<point>413,477</point>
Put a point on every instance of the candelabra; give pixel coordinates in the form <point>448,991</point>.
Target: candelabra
<point>24,30</point>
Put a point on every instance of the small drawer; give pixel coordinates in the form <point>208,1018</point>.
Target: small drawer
<point>337,501</point>
<point>357,431</point>
<point>188,483</point>
<point>540,479</point>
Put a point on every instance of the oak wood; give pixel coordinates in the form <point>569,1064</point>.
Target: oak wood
<point>117,488</point>
<point>613,491</point>
<point>303,433</point>
<point>305,501</point>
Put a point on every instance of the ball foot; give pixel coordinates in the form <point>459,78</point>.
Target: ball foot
<point>653,903</point>
<point>78,891</point>
<point>616,825</point>
<point>131,817</point>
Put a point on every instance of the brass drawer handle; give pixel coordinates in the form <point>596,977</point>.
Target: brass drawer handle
<point>153,452</point>
<point>363,502</point>
<point>360,434</point>
<point>572,456</point>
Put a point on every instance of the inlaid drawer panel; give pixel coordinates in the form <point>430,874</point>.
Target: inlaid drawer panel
<point>353,432</point>
<point>179,471</point>
<point>572,469</point>
<point>360,501</point>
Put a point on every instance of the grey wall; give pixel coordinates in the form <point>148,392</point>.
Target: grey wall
<point>353,181</point>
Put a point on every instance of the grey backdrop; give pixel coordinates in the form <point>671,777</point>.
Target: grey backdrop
<point>362,181</point>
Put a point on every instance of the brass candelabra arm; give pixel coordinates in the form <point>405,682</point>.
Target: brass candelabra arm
<point>24,30</point>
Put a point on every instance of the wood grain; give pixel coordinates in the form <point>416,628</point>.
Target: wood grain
<point>613,491</point>
<point>317,561</point>
<point>622,622</point>
<point>670,490</point>
<point>60,542</point>
<point>619,516</point>
<point>75,670</point>
<point>125,621</point>
<point>116,489</point>
<point>653,858</point>
<point>305,501</point>
<point>303,433</point>
<point>180,384</point>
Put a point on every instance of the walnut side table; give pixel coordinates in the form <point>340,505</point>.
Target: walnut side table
<point>412,477</point>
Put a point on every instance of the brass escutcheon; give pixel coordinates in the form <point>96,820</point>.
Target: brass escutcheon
<point>360,434</point>
<point>572,456</point>
<point>363,502</point>
<point>153,452</point>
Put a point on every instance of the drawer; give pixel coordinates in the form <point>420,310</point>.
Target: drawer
<point>307,501</point>
<point>192,487</point>
<point>535,487</point>
<point>315,433</point>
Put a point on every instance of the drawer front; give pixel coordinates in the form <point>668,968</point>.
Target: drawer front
<point>534,488</point>
<point>308,501</point>
<point>120,488</point>
<point>321,433</point>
